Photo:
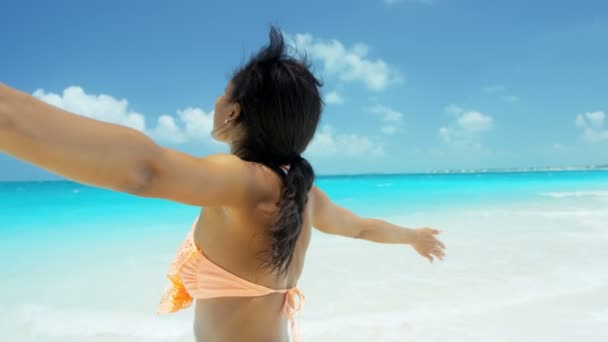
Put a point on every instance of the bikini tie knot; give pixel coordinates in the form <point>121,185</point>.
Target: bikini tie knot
<point>294,299</point>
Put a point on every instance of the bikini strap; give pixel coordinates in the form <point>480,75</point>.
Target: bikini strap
<point>294,300</point>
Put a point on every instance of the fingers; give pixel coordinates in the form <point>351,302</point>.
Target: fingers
<point>433,252</point>
<point>429,246</point>
<point>430,255</point>
<point>436,232</point>
<point>434,241</point>
<point>441,244</point>
<point>439,254</point>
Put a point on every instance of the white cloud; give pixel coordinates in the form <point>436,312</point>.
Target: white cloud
<point>595,136</point>
<point>467,126</point>
<point>167,130</point>
<point>191,124</point>
<point>455,136</point>
<point>349,64</point>
<point>499,89</point>
<point>496,88</point>
<point>101,107</point>
<point>595,119</point>
<point>388,130</point>
<point>473,121</point>
<point>580,121</point>
<point>511,98</point>
<point>390,118</point>
<point>453,109</point>
<point>334,98</point>
<point>446,134</point>
<point>197,123</point>
<point>592,124</point>
<point>327,143</point>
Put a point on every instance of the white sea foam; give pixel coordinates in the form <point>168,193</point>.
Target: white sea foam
<point>457,314</point>
<point>44,323</point>
<point>435,312</point>
<point>601,315</point>
<point>551,214</point>
<point>600,194</point>
<point>526,271</point>
<point>529,271</point>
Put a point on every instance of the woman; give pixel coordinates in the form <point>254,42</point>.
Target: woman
<point>243,258</point>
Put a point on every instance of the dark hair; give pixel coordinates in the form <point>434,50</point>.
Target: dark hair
<point>280,110</point>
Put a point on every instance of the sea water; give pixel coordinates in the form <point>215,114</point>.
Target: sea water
<point>527,260</point>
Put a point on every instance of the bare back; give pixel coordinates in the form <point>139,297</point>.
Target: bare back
<point>237,239</point>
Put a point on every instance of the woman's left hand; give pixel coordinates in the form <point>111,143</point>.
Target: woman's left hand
<point>427,244</point>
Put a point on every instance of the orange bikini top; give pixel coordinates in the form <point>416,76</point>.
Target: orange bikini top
<point>193,275</point>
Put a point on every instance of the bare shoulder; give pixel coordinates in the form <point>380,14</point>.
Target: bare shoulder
<point>318,201</point>
<point>317,197</point>
<point>265,184</point>
<point>214,180</point>
<point>226,158</point>
<point>234,170</point>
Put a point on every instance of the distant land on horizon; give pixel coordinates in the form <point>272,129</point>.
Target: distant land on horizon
<point>482,170</point>
<point>487,170</point>
<point>532,168</point>
<point>440,171</point>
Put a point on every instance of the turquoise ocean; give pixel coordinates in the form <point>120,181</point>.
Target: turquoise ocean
<point>527,260</point>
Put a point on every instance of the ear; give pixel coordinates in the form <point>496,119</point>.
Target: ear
<point>236,112</point>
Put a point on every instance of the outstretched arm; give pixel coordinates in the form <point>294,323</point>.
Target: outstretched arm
<point>113,156</point>
<point>330,218</point>
<point>79,148</point>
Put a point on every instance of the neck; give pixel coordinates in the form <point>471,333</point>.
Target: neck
<point>232,148</point>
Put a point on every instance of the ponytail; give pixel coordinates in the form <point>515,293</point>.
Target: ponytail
<point>281,107</point>
<point>297,181</point>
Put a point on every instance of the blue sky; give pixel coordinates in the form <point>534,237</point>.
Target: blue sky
<point>410,85</point>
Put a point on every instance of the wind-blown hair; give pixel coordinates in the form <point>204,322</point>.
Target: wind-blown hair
<point>280,109</point>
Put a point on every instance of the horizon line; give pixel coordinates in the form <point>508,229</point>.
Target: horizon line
<point>601,167</point>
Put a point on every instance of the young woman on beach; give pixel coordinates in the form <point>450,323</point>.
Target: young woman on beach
<point>242,259</point>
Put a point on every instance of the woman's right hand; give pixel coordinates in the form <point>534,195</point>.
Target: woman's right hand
<point>427,244</point>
